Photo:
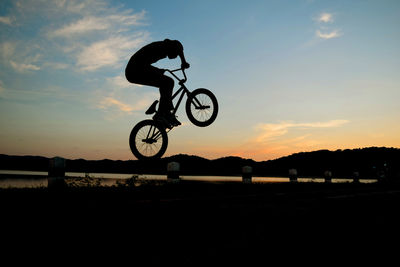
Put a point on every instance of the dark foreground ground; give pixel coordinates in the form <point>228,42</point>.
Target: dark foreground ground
<point>199,223</point>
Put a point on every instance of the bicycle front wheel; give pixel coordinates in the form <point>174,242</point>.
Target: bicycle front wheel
<point>202,107</point>
<point>148,140</point>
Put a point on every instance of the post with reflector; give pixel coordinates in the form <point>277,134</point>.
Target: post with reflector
<point>173,169</point>
<point>56,174</point>
<point>328,176</point>
<point>293,175</point>
<point>356,177</point>
<point>247,173</point>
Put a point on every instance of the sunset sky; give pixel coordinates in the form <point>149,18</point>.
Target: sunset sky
<point>290,76</point>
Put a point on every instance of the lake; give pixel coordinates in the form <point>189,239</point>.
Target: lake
<point>39,179</point>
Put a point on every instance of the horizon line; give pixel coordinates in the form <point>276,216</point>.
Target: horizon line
<point>191,155</point>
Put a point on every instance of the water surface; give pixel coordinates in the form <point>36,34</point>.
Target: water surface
<point>33,179</point>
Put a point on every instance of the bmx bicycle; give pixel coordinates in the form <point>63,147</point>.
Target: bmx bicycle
<point>149,139</point>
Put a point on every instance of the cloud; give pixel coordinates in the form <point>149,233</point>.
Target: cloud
<point>106,47</point>
<point>113,97</point>
<point>19,57</point>
<point>90,34</point>
<point>111,102</point>
<point>6,20</point>
<point>56,65</point>
<point>81,38</point>
<point>108,52</point>
<point>324,31</point>
<point>325,18</point>
<point>269,131</point>
<point>82,7</point>
<point>100,23</point>
<point>22,67</point>
<point>328,124</point>
<point>2,89</point>
<point>118,82</point>
<point>274,140</point>
<point>7,49</point>
<point>59,8</point>
<point>328,35</point>
<point>80,27</point>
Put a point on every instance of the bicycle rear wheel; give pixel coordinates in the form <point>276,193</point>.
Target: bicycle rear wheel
<point>202,107</point>
<point>148,140</point>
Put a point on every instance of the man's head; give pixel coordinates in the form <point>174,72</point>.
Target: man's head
<point>174,47</point>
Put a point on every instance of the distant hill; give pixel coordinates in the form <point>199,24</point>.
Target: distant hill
<point>369,162</point>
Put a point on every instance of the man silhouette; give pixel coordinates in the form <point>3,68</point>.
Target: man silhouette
<point>140,71</point>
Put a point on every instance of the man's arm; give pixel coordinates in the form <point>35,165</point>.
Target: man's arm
<point>184,64</point>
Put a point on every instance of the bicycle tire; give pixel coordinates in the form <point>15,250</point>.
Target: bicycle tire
<point>207,112</point>
<point>148,140</point>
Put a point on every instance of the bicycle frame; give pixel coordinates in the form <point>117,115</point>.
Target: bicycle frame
<point>145,136</point>
<point>183,88</point>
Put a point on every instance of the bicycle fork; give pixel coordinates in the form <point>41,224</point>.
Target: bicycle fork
<point>152,136</point>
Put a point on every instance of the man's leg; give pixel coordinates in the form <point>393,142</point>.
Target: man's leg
<point>166,105</point>
<point>166,89</point>
<point>152,76</point>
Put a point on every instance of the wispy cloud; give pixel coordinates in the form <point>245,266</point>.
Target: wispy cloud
<point>79,37</point>
<point>111,102</point>
<point>326,28</point>
<point>2,89</point>
<point>119,81</point>
<point>20,62</point>
<point>7,50</point>
<point>328,35</point>
<point>325,17</point>
<point>108,52</point>
<point>55,8</point>
<point>100,23</point>
<point>6,20</point>
<point>107,46</point>
<point>274,140</point>
<point>80,27</point>
<point>120,98</point>
<point>22,67</point>
<point>270,131</point>
<point>89,34</point>
<point>56,65</point>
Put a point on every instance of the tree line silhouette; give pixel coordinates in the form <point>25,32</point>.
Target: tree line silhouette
<point>372,162</point>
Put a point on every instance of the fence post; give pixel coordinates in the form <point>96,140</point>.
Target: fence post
<point>56,173</point>
<point>247,172</point>
<point>293,175</point>
<point>356,177</point>
<point>328,176</point>
<point>173,169</point>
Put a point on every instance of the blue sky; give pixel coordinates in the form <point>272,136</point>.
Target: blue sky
<point>290,76</point>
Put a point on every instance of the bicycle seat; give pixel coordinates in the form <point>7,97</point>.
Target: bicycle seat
<point>152,108</point>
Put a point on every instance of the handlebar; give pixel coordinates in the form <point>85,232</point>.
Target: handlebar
<point>181,81</point>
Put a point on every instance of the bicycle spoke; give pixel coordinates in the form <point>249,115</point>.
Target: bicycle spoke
<point>157,136</point>
<point>196,102</point>
<point>202,107</point>
<point>149,140</point>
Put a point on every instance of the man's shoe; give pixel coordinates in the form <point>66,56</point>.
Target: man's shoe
<point>163,120</point>
<point>173,120</point>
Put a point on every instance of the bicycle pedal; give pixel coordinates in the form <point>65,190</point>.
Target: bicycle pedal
<point>166,124</point>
